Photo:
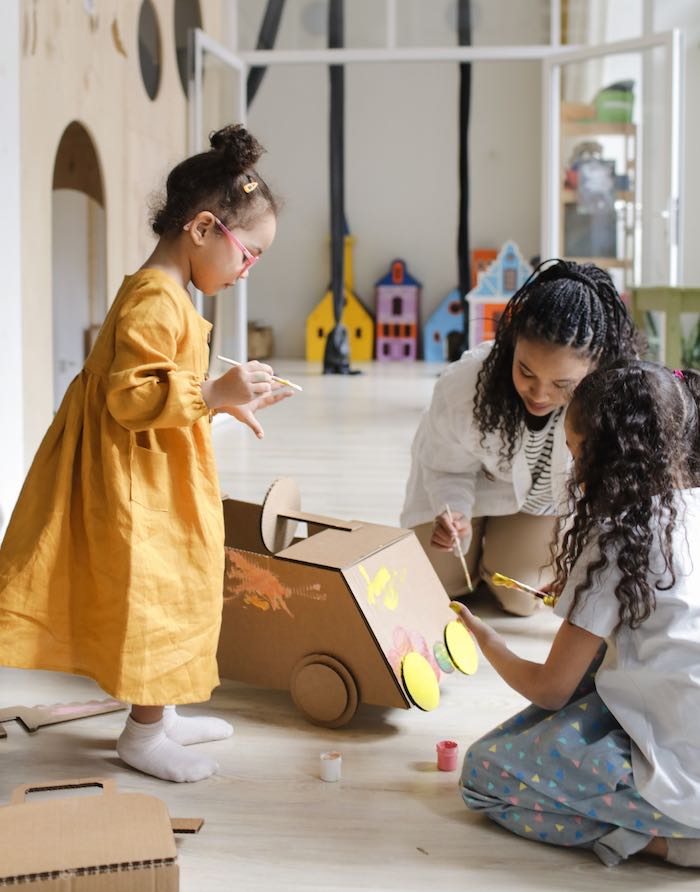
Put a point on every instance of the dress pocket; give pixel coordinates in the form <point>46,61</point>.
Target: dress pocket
<point>150,484</point>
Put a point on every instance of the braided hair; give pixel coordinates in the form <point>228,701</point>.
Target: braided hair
<point>640,430</point>
<point>562,303</point>
<point>214,181</point>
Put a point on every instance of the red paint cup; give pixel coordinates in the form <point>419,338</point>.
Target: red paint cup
<point>447,752</point>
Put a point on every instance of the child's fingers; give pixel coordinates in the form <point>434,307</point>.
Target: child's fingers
<point>252,422</point>
<point>272,398</point>
<point>261,387</point>
<point>255,366</point>
<point>260,377</point>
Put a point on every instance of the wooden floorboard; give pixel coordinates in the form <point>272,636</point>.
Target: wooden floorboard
<point>394,822</point>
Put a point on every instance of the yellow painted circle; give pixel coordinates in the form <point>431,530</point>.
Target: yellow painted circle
<point>420,681</point>
<point>461,648</point>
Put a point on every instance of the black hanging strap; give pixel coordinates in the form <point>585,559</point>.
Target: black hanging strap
<point>464,27</point>
<point>336,358</point>
<point>266,41</point>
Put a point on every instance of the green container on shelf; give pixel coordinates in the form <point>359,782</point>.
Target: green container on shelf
<point>614,106</point>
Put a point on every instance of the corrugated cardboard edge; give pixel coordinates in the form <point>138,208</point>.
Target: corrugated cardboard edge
<point>186,825</point>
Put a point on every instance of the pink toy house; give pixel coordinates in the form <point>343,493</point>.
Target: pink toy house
<point>398,297</point>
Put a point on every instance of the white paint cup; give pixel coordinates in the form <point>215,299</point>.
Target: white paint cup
<point>331,764</point>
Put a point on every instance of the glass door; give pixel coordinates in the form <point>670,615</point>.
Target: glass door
<point>612,165</point>
<point>217,96</point>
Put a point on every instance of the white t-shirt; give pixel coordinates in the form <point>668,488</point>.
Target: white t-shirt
<point>650,678</point>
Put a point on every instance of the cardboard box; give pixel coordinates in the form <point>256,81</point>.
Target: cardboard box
<point>577,111</point>
<point>261,343</point>
<point>329,617</point>
<point>107,842</point>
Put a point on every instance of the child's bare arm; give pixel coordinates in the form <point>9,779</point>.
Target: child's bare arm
<point>549,684</point>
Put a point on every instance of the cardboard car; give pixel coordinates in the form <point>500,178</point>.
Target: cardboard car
<point>354,612</point>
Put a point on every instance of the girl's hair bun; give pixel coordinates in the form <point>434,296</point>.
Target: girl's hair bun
<point>239,148</point>
<point>215,180</point>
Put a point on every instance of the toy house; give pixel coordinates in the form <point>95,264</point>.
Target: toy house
<point>481,258</point>
<point>397,314</point>
<point>495,287</point>
<point>352,613</point>
<point>356,317</point>
<point>443,332</point>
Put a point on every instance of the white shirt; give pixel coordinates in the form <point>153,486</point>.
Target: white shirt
<point>450,464</point>
<point>650,678</point>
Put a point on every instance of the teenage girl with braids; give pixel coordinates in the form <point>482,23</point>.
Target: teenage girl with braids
<point>608,755</point>
<point>491,446</point>
<point>112,564</point>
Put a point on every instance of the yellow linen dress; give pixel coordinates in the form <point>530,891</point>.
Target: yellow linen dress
<point>112,564</point>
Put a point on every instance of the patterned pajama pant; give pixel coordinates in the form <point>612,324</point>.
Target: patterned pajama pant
<point>565,778</point>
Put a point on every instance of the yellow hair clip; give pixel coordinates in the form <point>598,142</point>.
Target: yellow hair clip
<point>251,186</point>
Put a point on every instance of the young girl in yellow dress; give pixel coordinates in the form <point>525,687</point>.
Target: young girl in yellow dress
<point>113,561</point>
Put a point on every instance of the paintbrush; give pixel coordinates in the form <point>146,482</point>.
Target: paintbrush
<point>499,579</point>
<point>458,552</point>
<point>274,377</point>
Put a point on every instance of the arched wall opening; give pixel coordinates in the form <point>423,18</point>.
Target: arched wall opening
<point>79,239</point>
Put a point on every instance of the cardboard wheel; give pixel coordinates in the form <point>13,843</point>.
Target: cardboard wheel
<point>277,532</point>
<point>324,691</point>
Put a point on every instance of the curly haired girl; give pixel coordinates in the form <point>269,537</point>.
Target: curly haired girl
<point>608,755</point>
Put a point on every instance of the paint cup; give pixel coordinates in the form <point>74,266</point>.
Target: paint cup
<point>331,764</point>
<point>447,751</point>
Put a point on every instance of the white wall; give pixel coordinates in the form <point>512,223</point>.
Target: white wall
<point>11,402</point>
<point>401,165</point>
<point>79,61</point>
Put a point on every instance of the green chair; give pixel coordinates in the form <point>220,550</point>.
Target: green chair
<point>667,342</point>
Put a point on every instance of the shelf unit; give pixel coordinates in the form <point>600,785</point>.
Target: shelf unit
<point>621,256</point>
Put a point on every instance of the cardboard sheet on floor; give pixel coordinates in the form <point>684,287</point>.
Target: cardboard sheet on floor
<point>329,617</point>
<point>34,717</point>
<point>106,842</point>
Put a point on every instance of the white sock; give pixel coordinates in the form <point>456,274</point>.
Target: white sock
<point>196,729</point>
<point>147,748</point>
<point>684,852</point>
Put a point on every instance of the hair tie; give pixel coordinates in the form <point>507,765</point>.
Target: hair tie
<point>562,269</point>
<point>679,374</point>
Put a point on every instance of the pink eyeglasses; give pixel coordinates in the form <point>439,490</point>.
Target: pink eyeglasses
<point>248,258</point>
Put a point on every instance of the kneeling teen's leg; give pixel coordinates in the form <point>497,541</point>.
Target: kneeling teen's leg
<point>447,566</point>
<point>517,545</point>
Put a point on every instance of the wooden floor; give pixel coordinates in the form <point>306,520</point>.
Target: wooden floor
<point>394,822</point>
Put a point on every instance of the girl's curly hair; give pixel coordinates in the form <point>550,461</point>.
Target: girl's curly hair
<point>640,442</point>
<point>563,303</point>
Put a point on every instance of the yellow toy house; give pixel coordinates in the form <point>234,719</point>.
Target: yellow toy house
<point>356,317</point>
